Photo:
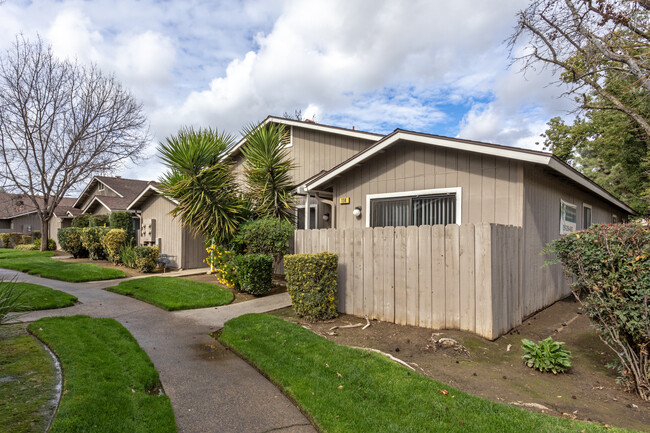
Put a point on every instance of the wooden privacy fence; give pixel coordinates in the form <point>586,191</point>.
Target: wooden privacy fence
<point>466,277</point>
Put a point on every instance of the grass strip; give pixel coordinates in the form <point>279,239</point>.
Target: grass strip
<point>351,390</point>
<point>110,384</point>
<point>35,297</point>
<point>172,293</point>
<point>27,382</point>
<point>40,263</point>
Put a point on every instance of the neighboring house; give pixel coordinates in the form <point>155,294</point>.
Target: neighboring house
<point>18,214</point>
<point>408,179</point>
<point>104,194</point>
<point>62,217</point>
<point>159,227</point>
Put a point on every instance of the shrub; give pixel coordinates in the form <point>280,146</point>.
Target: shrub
<point>36,234</point>
<point>51,244</point>
<point>548,355</point>
<point>146,258</point>
<point>27,239</point>
<point>264,236</point>
<point>122,220</point>
<point>91,239</point>
<point>81,221</point>
<point>28,247</point>
<point>311,282</point>
<point>224,262</point>
<point>127,256</point>
<point>70,241</point>
<point>98,221</point>
<point>254,273</point>
<point>113,242</point>
<point>6,240</point>
<point>16,239</point>
<point>609,271</point>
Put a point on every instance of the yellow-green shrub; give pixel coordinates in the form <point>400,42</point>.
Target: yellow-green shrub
<point>113,242</point>
<point>255,273</point>
<point>91,239</point>
<point>311,282</point>
<point>6,240</point>
<point>26,247</point>
<point>70,241</point>
<point>146,258</point>
<point>27,239</point>
<point>16,239</point>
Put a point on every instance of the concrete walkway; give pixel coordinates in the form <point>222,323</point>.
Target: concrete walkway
<point>211,389</point>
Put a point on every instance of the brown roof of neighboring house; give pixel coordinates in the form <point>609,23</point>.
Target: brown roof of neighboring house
<point>13,205</point>
<point>126,189</point>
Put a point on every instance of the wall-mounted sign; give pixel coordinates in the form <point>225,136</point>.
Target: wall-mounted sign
<point>344,200</point>
<point>568,217</point>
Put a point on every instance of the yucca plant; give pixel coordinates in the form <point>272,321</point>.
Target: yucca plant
<point>10,301</point>
<point>201,180</point>
<point>268,171</point>
<point>548,355</point>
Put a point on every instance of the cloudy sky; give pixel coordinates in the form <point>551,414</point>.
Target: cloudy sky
<point>424,65</point>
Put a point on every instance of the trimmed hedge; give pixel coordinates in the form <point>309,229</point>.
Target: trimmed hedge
<point>609,270</point>
<point>16,239</point>
<point>70,241</point>
<point>36,234</point>
<point>113,242</point>
<point>146,258</point>
<point>6,240</point>
<point>88,220</point>
<point>311,282</point>
<point>26,247</point>
<point>264,236</point>
<point>27,239</point>
<point>255,273</point>
<point>122,220</point>
<point>91,239</point>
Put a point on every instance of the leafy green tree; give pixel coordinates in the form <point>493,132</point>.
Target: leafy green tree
<point>267,168</point>
<point>608,146</point>
<point>200,179</point>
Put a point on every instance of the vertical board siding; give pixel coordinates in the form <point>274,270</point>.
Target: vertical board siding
<point>447,277</point>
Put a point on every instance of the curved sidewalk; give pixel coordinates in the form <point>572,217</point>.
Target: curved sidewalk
<point>210,388</point>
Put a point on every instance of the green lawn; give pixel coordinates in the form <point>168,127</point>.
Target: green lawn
<point>171,293</point>
<point>41,264</point>
<point>351,390</point>
<point>35,297</point>
<point>27,381</point>
<point>110,383</point>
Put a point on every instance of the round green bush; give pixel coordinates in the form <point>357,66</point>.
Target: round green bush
<point>255,273</point>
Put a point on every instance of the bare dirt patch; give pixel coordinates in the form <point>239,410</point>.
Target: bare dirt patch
<point>488,369</point>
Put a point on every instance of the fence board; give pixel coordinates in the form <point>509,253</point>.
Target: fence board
<point>424,276</point>
<point>357,277</point>
<point>323,242</point>
<point>368,273</point>
<point>452,275</point>
<point>438,277</point>
<point>483,272</point>
<point>412,278</point>
<point>349,274</point>
<point>389,273</point>
<point>379,253</point>
<point>400,275</point>
<point>467,279</point>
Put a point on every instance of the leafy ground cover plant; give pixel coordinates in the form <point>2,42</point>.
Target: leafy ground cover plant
<point>548,355</point>
<point>609,270</point>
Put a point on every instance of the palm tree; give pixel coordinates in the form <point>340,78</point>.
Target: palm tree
<point>267,169</point>
<point>201,181</point>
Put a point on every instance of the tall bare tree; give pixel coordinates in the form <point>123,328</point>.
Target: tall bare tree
<point>587,40</point>
<point>60,124</point>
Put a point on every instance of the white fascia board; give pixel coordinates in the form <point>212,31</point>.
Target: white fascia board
<point>576,177</point>
<point>146,190</point>
<point>315,127</point>
<point>23,214</point>
<point>100,202</point>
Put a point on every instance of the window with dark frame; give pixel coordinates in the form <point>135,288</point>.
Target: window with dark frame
<point>586,217</point>
<point>431,209</point>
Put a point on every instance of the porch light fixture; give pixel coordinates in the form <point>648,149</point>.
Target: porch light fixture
<point>326,217</point>
<point>357,211</point>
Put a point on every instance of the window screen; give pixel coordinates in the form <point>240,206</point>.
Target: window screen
<point>413,211</point>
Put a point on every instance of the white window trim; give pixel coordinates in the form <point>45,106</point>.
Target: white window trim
<point>566,203</point>
<point>100,187</point>
<point>586,205</point>
<point>301,208</point>
<point>457,190</point>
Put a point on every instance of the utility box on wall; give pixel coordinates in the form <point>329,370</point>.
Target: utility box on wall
<point>148,231</point>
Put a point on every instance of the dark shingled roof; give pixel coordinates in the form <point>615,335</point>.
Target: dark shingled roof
<point>12,205</point>
<point>129,189</point>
